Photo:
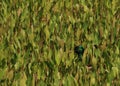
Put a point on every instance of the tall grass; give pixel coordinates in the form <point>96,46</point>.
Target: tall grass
<point>37,40</point>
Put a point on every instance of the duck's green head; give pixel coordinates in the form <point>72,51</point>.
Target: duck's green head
<point>79,50</point>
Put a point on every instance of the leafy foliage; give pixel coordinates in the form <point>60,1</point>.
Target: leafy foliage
<point>37,40</point>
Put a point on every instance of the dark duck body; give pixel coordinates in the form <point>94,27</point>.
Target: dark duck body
<point>79,50</point>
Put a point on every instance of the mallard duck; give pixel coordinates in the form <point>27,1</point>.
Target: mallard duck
<point>79,50</point>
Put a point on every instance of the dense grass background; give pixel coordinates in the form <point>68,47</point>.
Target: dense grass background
<point>37,39</point>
